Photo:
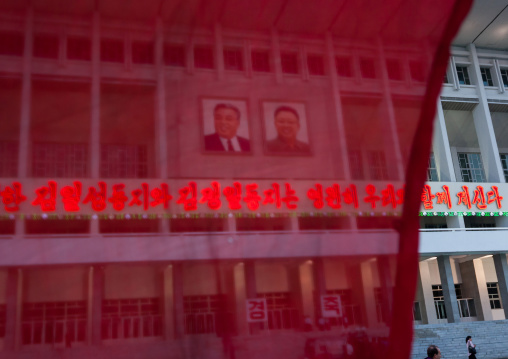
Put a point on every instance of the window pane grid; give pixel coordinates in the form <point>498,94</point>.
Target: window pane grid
<point>260,61</point>
<point>463,75</point>
<point>504,76</point>
<point>504,163</point>
<point>471,167</point>
<point>59,159</point>
<point>124,161</point>
<point>432,169</point>
<point>486,77</point>
<point>377,165</point>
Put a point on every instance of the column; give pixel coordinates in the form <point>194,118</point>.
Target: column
<point>97,296</point>
<point>483,125</point>
<point>240,297</point>
<point>167,302</point>
<point>450,298</point>
<point>14,304</point>
<point>295,290</point>
<point>318,276</point>
<point>501,266</point>
<point>474,282</point>
<point>425,287</point>
<point>226,282</point>
<point>386,282</point>
<point>355,281</point>
<point>178,314</point>
<point>276,61</point>
<point>251,290</point>
<point>219,51</point>
<point>367,280</point>
<point>95,121</point>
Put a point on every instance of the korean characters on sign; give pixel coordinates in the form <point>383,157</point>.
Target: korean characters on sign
<point>331,306</point>
<point>257,310</point>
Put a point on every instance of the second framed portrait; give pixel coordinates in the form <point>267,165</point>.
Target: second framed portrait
<point>285,128</point>
<point>225,126</point>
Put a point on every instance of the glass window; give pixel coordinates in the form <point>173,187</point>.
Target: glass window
<point>486,76</point>
<point>417,70</point>
<point>344,66</point>
<point>124,161</point>
<point>174,55</point>
<point>471,167</point>
<point>289,62</point>
<point>377,165</point>
<point>8,159</point>
<point>417,314</point>
<point>394,69</point>
<point>368,68</point>
<point>316,65</point>
<point>59,159</point>
<point>463,75</point>
<point>11,43</point>
<point>46,46</point>
<point>112,50</point>
<point>432,169</point>
<point>504,163</point>
<point>79,48</point>
<point>493,290</point>
<point>142,53</point>
<point>260,61</point>
<point>504,76</point>
<point>203,58</point>
<point>356,164</point>
<point>233,59</point>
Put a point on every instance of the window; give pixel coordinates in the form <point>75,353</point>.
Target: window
<point>57,226</point>
<point>445,79</point>
<point>368,68</point>
<point>471,167</point>
<point>504,76</point>
<point>131,318</point>
<point>112,50</point>
<point>53,322</point>
<point>434,222</point>
<point>493,290</point>
<point>394,69</point>
<point>124,161</point>
<point>142,53</point>
<point>417,71</point>
<point>323,223</point>
<point>203,58</point>
<point>315,64</point>
<point>463,75</point>
<point>486,76</point>
<point>174,55</point>
<point>46,46</point>
<point>8,159</point>
<point>201,313</point>
<point>59,160</point>
<point>352,311</point>
<point>437,291</point>
<point>289,62</point>
<point>504,163</point>
<point>432,169</point>
<point>260,61</point>
<point>11,43</point>
<point>344,67</point>
<point>377,165</point>
<point>417,314</point>
<point>181,225</point>
<point>458,291</point>
<point>356,164</point>
<point>262,224</point>
<point>79,49</point>
<point>479,222</point>
<point>282,313</point>
<point>381,313</point>
<point>233,59</point>
<point>132,225</point>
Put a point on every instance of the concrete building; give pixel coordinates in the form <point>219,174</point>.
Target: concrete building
<point>129,230</point>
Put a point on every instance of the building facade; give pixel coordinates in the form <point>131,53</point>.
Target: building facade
<point>128,232</point>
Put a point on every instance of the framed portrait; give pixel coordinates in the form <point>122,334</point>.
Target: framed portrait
<point>225,126</point>
<point>285,128</point>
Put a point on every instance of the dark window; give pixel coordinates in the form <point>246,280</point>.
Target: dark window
<point>7,226</point>
<point>112,50</point>
<point>504,76</point>
<point>377,165</point>
<point>471,167</point>
<point>376,222</point>
<point>504,163</point>
<point>203,314</point>
<point>124,161</point>
<point>356,164</point>
<point>174,55</point>
<point>432,169</point>
<point>368,68</point>
<point>282,313</point>
<point>59,160</point>
<point>316,65</point>
<point>142,52</point>
<point>233,59</point>
<point>8,159</point>
<point>289,63</point>
<point>479,222</point>
<point>57,226</point>
<point>394,69</point>
<point>458,291</point>
<point>203,58</point>
<point>493,290</point>
<point>79,48</point>
<point>434,222</point>
<point>344,66</point>
<point>46,46</point>
<point>132,225</point>
<point>445,79</point>
<point>486,76</point>
<point>260,61</point>
<point>323,223</point>
<point>11,43</point>
<point>463,75</point>
<point>262,224</point>
<point>417,314</point>
<point>197,225</point>
<point>417,71</point>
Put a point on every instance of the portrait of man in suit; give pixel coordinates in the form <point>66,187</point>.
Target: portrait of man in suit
<point>287,123</point>
<point>226,121</point>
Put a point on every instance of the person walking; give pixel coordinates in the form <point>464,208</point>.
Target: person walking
<point>471,348</point>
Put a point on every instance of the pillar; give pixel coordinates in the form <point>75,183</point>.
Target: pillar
<point>13,303</point>
<point>473,281</point>
<point>178,314</point>
<point>97,296</point>
<point>450,298</point>
<point>425,287</point>
<point>501,265</point>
